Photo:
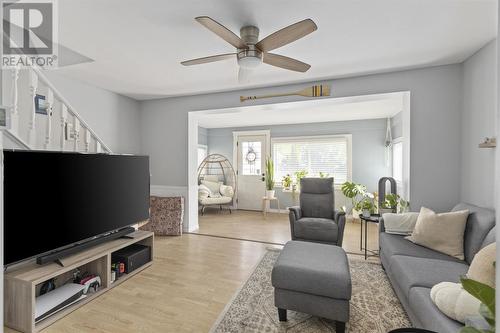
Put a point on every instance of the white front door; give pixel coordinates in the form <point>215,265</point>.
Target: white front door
<point>251,158</point>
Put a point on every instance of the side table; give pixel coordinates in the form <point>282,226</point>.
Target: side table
<point>374,218</point>
<point>264,204</point>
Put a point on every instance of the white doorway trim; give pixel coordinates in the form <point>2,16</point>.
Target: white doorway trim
<point>236,134</point>
<point>191,204</point>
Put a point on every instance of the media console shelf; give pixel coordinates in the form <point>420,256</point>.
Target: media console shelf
<point>21,286</point>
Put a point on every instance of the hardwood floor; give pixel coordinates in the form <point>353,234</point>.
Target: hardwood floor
<point>188,285</point>
<point>275,228</point>
<point>192,279</point>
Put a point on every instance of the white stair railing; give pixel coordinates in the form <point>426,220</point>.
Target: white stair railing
<point>72,125</point>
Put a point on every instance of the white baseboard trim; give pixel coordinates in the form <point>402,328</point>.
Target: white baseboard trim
<point>169,191</point>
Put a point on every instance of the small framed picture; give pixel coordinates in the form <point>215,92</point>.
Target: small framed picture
<point>40,104</point>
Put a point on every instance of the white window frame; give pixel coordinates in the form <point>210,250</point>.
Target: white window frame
<point>399,183</point>
<point>348,138</point>
<point>203,147</point>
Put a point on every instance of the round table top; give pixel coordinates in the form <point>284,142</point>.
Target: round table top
<point>373,218</point>
<point>411,330</point>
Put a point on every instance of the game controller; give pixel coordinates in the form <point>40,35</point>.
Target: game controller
<point>91,283</point>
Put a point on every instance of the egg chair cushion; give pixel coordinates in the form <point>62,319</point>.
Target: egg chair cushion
<point>222,200</point>
<point>213,186</point>
<point>227,191</point>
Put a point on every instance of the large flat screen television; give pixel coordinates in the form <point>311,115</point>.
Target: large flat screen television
<point>56,200</point>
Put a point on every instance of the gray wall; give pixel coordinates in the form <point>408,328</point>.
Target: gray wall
<point>115,118</point>
<point>436,101</point>
<point>478,122</point>
<point>368,153</point>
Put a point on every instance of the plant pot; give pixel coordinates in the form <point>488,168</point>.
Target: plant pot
<point>270,194</point>
<point>366,213</point>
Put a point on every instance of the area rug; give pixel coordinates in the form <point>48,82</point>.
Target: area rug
<point>374,306</point>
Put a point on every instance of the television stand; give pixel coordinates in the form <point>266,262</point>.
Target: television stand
<point>22,285</point>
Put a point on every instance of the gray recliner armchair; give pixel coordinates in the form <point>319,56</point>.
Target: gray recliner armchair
<point>316,220</point>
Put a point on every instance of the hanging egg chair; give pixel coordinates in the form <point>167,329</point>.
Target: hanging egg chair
<point>216,182</point>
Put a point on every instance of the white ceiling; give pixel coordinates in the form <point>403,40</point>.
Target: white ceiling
<point>138,45</point>
<point>311,111</point>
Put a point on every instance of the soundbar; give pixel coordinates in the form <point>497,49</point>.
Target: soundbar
<point>56,255</point>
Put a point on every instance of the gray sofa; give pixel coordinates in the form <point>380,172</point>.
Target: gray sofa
<point>413,270</point>
<point>316,220</point>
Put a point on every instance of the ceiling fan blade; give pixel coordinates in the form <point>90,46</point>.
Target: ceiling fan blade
<point>285,62</point>
<point>287,35</point>
<point>244,75</point>
<point>221,31</point>
<point>204,60</point>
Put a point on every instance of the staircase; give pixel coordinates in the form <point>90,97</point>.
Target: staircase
<point>58,127</point>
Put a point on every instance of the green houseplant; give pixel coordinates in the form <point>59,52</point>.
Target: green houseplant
<point>486,295</point>
<point>323,174</point>
<point>269,178</point>
<point>299,175</point>
<point>394,203</point>
<point>353,191</point>
<point>286,181</point>
<point>366,204</point>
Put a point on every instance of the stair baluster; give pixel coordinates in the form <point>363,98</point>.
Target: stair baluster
<point>33,90</point>
<point>50,107</point>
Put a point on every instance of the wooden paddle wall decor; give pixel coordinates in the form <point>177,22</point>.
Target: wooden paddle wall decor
<point>319,90</point>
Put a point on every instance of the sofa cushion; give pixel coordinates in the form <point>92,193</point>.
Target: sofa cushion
<point>412,272</point>
<point>319,229</point>
<point>397,245</point>
<point>479,223</point>
<point>426,312</point>
<point>313,268</point>
<point>442,232</point>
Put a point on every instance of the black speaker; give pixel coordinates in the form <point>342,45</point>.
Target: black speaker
<point>133,256</point>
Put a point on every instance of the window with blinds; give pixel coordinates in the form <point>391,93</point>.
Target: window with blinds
<point>327,155</point>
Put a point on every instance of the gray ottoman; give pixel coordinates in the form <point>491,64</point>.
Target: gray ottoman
<point>313,278</point>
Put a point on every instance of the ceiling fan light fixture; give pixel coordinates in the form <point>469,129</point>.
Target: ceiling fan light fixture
<point>249,58</point>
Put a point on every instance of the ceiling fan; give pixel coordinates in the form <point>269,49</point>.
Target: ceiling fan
<point>250,52</point>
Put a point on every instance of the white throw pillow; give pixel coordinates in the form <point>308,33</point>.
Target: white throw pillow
<point>441,232</point>
<point>227,191</point>
<point>203,191</point>
<point>454,301</point>
<point>213,186</point>
<point>400,224</point>
<point>481,268</point>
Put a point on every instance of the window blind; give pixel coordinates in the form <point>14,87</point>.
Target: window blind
<point>328,155</point>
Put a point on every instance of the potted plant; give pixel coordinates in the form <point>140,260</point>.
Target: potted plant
<point>269,178</point>
<point>366,205</point>
<point>389,205</point>
<point>354,191</point>
<point>287,182</point>
<point>393,203</point>
<point>323,174</point>
<point>299,175</point>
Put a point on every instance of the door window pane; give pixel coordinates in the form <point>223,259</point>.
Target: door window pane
<point>251,158</point>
